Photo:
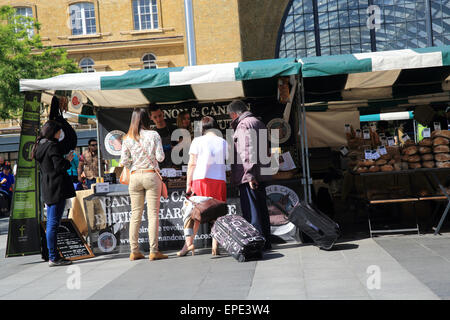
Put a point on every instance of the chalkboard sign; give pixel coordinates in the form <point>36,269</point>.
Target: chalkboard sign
<point>70,243</point>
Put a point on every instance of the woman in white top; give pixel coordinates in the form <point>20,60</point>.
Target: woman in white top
<point>141,151</point>
<point>206,175</point>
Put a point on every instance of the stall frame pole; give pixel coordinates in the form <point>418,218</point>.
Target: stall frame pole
<point>304,141</point>
<point>98,146</point>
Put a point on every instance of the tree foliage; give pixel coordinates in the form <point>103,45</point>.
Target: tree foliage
<point>24,57</point>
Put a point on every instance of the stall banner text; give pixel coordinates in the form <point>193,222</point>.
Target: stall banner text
<point>24,232</point>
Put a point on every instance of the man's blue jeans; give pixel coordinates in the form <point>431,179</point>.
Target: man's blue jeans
<point>54,215</point>
<point>254,208</point>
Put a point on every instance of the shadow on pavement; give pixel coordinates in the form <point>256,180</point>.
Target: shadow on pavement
<point>344,246</point>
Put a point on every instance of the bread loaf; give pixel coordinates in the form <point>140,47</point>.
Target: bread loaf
<point>426,142</point>
<point>441,133</point>
<point>397,166</point>
<point>391,162</point>
<point>387,168</point>
<point>441,149</point>
<point>409,143</point>
<point>427,157</point>
<point>440,141</point>
<point>374,169</point>
<point>405,158</point>
<point>386,157</point>
<point>415,158</point>
<point>445,164</point>
<point>362,169</point>
<point>410,150</point>
<point>404,165</point>
<point>424,150</point>
<point>380,162</point>
<point>442,157</point>
<point>428,164</point>
<point>415,165</point>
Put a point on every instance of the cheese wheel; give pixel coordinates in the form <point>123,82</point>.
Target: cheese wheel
<point>441,133</point>
<point>445,164</point>
<point>442,157</point>
<point>415,158</point>
<point>427,142</point>
<point>440,141</point>
<point>415,165</point>
<point>428,164</point>
<point>441,149</point>
<point>427,157</point>
<point>424,150</point>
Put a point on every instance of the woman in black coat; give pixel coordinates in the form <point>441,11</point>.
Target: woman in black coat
<point>55,181</point>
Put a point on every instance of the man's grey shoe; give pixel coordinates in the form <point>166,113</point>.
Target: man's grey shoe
<point>60,262</point>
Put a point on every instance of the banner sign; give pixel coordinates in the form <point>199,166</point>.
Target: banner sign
<point>108,218</point>
<point>114,123</point>
<point>24,232</point>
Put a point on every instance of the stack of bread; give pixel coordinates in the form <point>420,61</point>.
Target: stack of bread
<point>441,148</point>
<point>426,153</point>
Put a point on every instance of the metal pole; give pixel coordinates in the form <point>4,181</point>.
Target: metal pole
<point>98,150</point>
<point>428,23</point>
<point>300,133</point>
<point>190,33</point>
<point>305,136</point>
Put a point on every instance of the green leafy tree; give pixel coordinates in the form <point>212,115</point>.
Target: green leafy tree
<point>23,56</point>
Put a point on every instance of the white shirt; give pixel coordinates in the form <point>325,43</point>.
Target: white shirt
<point>212,152</point>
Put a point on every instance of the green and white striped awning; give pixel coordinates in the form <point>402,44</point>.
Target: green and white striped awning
<point>398,77</point>
<point>169,85</point>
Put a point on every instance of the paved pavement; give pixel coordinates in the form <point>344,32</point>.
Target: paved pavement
<point>386,268</point>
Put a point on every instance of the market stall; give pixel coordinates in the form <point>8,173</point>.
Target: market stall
<point>267,86</point>
<point>381,166</point>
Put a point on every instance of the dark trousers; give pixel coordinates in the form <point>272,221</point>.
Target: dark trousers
<point>54,215</point>
<point>254,208</point>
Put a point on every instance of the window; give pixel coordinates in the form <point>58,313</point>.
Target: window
<point>145,13</point>
<point>28,13</point>
<point>87,65</point>
<point>149,61</point>
<point>82,17</point>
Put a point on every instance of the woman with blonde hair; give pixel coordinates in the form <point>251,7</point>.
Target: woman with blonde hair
<point>141,151</point>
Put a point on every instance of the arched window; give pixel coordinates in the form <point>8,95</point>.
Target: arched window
<point>82,17</point>
<point>149,61</point>
<point>145,14</point>
<point>28,13</point>
<point>322,27</point>
<point>87,65</point>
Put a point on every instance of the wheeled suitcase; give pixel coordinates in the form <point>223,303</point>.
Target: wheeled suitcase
<point>315,224</point>
<point>238,237</point>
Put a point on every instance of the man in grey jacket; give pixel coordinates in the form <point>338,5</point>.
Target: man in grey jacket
<point>247,168</point>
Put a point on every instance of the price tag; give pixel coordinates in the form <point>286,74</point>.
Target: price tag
<point>391,141</point>
<point>344,151</point>
<point>405,137</point>
<point>184,168</point>
<point>437,126</point>
<point>373,127</point>
<point>347,128</point>
<point>102,187</point>
<point>366,134</point>
<point>375,155</point>
<point>368,154</point>
<point>358,133</point>
<point>179,173</point>
<point>383,141</point>
<point>426,133</point>
<point>382,150</point>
